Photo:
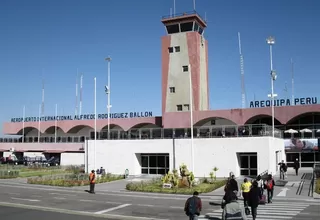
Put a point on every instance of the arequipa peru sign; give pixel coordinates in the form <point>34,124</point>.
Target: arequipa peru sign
<point>284,102</point>
<point>85,117</point>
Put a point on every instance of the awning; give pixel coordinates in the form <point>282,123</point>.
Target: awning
<point>53,151</point>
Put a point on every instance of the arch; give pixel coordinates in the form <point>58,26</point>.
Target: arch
<point>27,130</point>
<point>144,125</point>
<point>214,121</point>
<point>77,128</point>
<point>112,127</point>
<point>308,118</point>
<point>262,119</point>
<point>51,129</point>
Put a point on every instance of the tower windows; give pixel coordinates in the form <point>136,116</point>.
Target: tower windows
<point>170,49</point>
<point>186,107</point>
<point>172,89</point>
<point>185,68</point>
<point>177,49</point>
<point>179,108</point>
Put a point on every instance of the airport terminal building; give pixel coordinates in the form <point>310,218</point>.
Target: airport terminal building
<point>237,140</point>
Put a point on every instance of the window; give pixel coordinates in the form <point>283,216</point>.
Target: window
<point>177,49</point>
<point>186,107</point>
<point>172,89</point>
<point>172,29</point>
<point>196,27</point>
<point>186,26</point>
<point>170,49</point>
<point>185,68</point>
<point>179,108</point>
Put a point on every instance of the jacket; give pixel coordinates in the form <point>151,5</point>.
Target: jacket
<point>254,197</point>
<point>232,185</point>
<point>198,205</point>
<point>233,211</point>
<point>92,178</point>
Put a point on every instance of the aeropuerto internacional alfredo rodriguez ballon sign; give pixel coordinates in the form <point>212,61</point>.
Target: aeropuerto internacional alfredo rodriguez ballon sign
<point>85,117</point>
<point>284,102</point>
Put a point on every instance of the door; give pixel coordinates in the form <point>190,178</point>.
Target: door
<point>155,163</point>
<point>248,164</point>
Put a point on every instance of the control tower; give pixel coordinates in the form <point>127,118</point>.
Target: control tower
<point>184,45</point>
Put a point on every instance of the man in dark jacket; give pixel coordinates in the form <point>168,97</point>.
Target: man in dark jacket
<point>254,199</point>
<point>283,169</point>
<point>296,166</point>
<point>232,185</point>
<point>193,206</point>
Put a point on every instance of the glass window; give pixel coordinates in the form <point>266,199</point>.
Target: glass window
<point>186,26</point>
<point>144,171</point>
<point>153,171</point>
<point>170,49</point>
<point>177,49</point>
<point>144,161</point>
<point>317,155</point>
<point>307,157</point>
<point>200,30</point>
<point>244,161</point>
<point>167,162</point>
<point>244,172</point>
<point>172,29</point>
<point>152,161</point>
<point>179,107</point>
<point>185,68</point>
<point>162,171</point>
<point>253,162</point>
<point>254,172</point>
<point>161,161</point>
<point>291,157</point>
<point>196,27</point>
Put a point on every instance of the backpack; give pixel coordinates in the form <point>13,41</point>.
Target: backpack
<point>269,184</point>
<point>193,209</point>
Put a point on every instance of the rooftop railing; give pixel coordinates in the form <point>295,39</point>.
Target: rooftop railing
<point>214,131</point>
<point>183,14</point>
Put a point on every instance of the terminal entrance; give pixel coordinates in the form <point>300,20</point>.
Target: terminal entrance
<point>155,164</point>
<point>248,164</point>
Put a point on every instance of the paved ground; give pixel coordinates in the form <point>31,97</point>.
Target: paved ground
<point>128,205</point>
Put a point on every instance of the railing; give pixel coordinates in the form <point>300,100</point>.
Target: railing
<point>183,14</point>
<point>216,131</point>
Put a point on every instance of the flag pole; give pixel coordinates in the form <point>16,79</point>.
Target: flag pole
<point>95,120</point>
<point>23,119</point>
<point>39,123</point>
<point>55,124</point>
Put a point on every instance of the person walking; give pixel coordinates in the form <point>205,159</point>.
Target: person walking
<point>283,169</point>
<point>193,206</point>
<point>232,208</point>
<point>260,185</point>
<point>296,166</point>
<point>270,187</point>
<point>232,185</point>
<point>245,188</point>
<point>92,180</point>
<point>254,197</point>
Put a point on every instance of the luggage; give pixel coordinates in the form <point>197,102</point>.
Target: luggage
<point>247,210</point>
<point>263,200</point>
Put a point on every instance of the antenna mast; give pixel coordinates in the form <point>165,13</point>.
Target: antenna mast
<point>80,107</point>
<point>42,101</point>
<point>243,96</point>
<point>76,108</point>
<point>292,82</point>
<point>286,89</point>
<point>174,7</point>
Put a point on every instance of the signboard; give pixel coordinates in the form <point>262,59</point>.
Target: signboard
<point>284,102</point>
<point>301,145</point>
<point>85,117</point>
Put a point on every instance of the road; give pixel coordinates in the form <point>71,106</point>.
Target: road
<point>62,202</point>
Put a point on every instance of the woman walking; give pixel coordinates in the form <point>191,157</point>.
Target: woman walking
<point>254,199</point>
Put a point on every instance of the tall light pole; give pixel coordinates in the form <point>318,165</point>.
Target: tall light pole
<point>191,117</point>
<point>271,41</point>
<point>107,90</point>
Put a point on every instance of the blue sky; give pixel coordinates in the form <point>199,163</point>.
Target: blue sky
<point>55,38</point>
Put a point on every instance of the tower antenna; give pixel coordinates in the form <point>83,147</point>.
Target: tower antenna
<point>174,7</point>
<point>76,107</point>
<point>42,100</point>
<point>292,82</point>
<point>194,5</point>
<point>286,89</point>
<point>243,95</point>
<point>80,105</point>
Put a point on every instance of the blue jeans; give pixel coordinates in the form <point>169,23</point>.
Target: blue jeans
<point>193,217</point>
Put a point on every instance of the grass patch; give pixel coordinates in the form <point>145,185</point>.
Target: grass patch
<point>72,180</point>
<point>44,172</point>
<point>317,190</point>
<point>9,174</point>
<point>155,186</point>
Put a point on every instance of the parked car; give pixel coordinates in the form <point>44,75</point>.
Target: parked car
<point>53,161</point>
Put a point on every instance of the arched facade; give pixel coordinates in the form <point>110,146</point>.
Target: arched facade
<point>262,119</point>
<point>27,130</point>
<point>214,121</point>
<point>112,127</point>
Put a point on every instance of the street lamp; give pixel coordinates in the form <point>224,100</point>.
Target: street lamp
<point>107,91</point>
<point>271,41</point>
<point>191,117</point>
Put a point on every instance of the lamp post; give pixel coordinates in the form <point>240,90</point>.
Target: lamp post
<point>191,117</point>
<point>271,41</point>
<point>107,90</point>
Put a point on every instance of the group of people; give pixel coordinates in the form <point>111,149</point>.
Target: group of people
<point>252,193</point>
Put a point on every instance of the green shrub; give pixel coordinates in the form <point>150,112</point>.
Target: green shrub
<point>317,190</point>
<point>9,174</point>
<point>71,180</point>
<point>155,186</point>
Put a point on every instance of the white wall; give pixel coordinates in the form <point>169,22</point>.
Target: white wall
<point>72,159</point>
<point>117,155</point>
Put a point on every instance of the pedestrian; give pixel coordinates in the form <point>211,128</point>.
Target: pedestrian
<point>92,180</point>
<point>260,185</point>
<point>232,185</point>
<point>193,206</point>
<point>296,166</point>
<point>232,208</point>
<point>283,169</point>
<point>254,197</point>
<point>245,188</point>
<point>269,185</point>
